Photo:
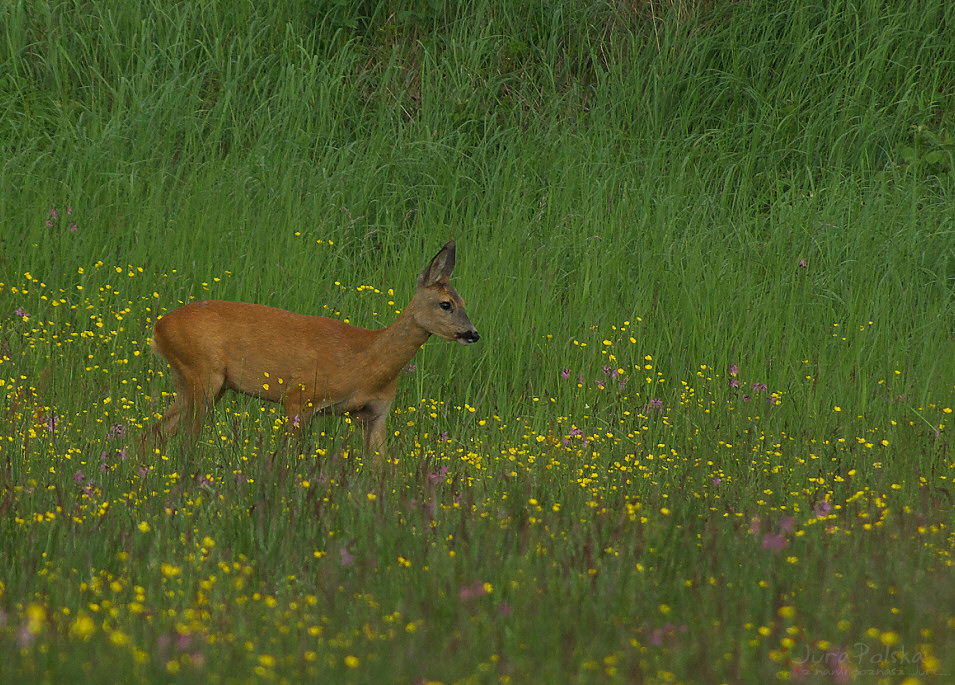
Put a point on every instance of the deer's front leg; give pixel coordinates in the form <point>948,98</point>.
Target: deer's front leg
<point>372,421</point>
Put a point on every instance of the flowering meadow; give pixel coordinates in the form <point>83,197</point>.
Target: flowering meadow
<point>706,433</point>
<point>601,524</point>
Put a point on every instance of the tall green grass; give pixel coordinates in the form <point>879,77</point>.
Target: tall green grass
<point>704,437</point>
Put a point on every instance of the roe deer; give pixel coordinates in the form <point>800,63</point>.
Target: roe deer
<point>308,363</point>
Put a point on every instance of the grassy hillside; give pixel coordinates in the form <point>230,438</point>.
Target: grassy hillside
<point>710,250</point>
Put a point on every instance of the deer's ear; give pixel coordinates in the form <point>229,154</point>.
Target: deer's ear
<point>440,268</point>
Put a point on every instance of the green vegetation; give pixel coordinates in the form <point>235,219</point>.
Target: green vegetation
<point>705,437</point>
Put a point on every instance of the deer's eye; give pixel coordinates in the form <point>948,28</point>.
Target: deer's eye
<point>446,306</point>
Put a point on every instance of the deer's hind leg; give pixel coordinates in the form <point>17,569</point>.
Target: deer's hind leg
<point>195,393</point>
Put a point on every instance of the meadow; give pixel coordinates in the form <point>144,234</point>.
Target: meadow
<point>705,436</point>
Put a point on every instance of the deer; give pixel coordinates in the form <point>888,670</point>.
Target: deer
<point>309,364</point>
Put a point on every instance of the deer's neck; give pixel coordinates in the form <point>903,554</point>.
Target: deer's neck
<point>396,345</point>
